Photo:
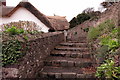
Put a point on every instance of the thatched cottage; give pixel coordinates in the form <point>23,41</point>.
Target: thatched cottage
<point>25,11</point>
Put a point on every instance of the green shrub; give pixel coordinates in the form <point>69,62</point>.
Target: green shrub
<point>14,30</point>
<point>111,43</point>
<point>101,54</point>
<point>107,38</point>
<point>34,32</point>
<point>108,70</point>
<point>110,40</point>
<point>25,38</point>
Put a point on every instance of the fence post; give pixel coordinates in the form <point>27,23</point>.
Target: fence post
<point>65,35</point>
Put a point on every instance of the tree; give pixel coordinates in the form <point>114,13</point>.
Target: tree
<point>73,22</point>
<point>85,15</point>
<point>82,17</point>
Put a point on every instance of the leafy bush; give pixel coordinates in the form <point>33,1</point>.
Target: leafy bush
<point>14,30</point>
<point>105,36</point>
<point>111,41</point>
<point>108,70</point>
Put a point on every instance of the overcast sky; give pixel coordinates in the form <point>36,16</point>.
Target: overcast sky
<point>68,8</point>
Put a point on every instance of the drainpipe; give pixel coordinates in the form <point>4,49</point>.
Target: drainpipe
<point>3,2</point>
<point>24,1</point>
<point>65,35</point>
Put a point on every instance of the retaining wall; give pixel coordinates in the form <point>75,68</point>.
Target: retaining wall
<point>32,62</point>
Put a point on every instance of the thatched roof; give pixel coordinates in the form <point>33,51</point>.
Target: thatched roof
<point>52,22</point>
<point>58,22</point>
<point>5,10</point>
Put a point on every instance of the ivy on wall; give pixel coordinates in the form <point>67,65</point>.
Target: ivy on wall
<point>11,51</point>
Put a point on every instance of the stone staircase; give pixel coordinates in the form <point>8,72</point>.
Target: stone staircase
<point>69,60</point>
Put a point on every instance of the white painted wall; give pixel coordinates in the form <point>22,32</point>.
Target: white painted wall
<point>23,14</point>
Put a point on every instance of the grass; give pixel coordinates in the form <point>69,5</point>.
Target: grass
<point>103,28</point>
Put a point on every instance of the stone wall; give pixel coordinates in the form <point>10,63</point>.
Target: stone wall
<point>112,12</point>
<point>32,62</point>
<point>77,32</point>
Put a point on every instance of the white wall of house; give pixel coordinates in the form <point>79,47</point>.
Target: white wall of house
<point>23,14</point>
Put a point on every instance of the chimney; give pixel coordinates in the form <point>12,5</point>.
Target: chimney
<point>24,0</point>
<point>3,2</point>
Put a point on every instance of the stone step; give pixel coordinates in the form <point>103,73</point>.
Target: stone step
<point>64,48</point>
<point>68,62</point>
<point>71,44</point>
<point>72,54</point>
<point>78,41</point>
<point>66,72</point>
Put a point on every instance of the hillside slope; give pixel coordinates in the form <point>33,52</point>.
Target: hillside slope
<point>112,12</point>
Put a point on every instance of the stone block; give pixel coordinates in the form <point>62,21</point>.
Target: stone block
<point>86,64</point>
<point>70,63</point>
<point>89,76</point>
<point>68,75</point>
<point>10,72</point>
<point>64,63</point>
<point>80,76</point>
<point>57,75</point>
<point>43,75</point>
<point>56,63</point>
<point>48,63</point>
<point>80,55</point>
<point>68,55</point>
<point>51,75</point>
<point>74,55</point>
<point>86,56</point>
<point>78,64</point>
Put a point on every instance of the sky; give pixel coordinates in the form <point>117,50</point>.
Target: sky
<point>68,8</point>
